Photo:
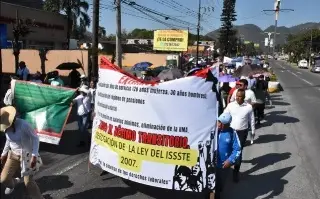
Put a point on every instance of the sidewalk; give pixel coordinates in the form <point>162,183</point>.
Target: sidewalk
<point>273,166</point>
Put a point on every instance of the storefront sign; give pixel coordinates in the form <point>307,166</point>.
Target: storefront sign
<point>8,20</point>
<point>170,40</point>
<point>160,134</point>
<point>140,41</point>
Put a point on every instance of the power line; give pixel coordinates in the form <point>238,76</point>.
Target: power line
<point>155,12</point>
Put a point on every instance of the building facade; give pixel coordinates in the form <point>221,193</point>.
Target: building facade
<point>38,4</point>
<point>48,30</point>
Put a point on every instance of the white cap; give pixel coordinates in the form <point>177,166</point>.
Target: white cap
<point>84,88</point>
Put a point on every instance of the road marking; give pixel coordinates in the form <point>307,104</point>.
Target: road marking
<point>299,72</point>
<point>306,81</point>
<point>70,167</point>
<point>293,73</point>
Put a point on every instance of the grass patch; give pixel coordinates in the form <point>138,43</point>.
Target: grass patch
<point>273,78</point>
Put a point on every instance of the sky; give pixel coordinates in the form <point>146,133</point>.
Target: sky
<point>248,12</point>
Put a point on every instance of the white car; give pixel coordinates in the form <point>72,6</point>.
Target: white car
<point>303,64</point>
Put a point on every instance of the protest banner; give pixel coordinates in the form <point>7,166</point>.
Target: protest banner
<point>170,40</point>
<point>45,107</point>
<point>158,134</point>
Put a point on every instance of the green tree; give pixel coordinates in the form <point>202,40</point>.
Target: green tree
<point>102,32</point>
<point>78,14</point>
<point>227,37</point>
<point>140,34</point>
<point>52,5</point>
<point>298,46</point>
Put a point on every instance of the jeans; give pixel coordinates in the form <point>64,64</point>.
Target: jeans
<point>11,166</point>
<point>82,124</point>
<point>242,134</point>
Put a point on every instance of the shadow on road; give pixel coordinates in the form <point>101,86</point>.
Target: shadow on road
<point>67,146</point>
<point>47,183</point>
<point>109,193</point>
<point>277,117</point>
<point>280,103</point>
<point>262,139</point>
<point>54,183</point>
<point>265,161</point>
<point>162,193</point>
<point>267,185</point>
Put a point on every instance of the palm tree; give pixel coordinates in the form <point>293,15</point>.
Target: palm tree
<point>78,13</point>
<point>79,9</point>
<point>102,32</point>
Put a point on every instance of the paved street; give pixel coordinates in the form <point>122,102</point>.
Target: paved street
<point>283,162</point>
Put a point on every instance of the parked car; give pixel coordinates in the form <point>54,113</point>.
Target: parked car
<point>315,69</point>
<point>303,64</point>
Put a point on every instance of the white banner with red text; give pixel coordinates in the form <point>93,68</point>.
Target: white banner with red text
<point>158,134</point>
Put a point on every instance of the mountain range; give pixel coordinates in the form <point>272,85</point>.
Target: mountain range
<point>253,33</point>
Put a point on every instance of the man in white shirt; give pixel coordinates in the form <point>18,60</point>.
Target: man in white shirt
<point>250,97</point>
<point>83,102</point>
<point>242,114</point>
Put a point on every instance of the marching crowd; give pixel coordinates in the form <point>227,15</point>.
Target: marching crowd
<point>243,109</point>
<point>241,106</point>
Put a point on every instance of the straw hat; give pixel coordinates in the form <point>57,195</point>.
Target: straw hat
<point>84,88</point>
<point>7,115</point>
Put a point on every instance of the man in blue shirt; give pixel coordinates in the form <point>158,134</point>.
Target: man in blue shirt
<point>229,150</point>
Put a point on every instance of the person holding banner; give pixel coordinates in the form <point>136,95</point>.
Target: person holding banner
<point>21,151</point>
<point>229,150</point>
<point>83,102</point>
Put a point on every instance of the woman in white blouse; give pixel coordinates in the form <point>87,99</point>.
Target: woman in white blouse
<point>21,151</point>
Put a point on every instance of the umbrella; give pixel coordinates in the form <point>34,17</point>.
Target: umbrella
<point>228,78</point>
<point>266,74</point>
<point>193,71</point>
<point>248,70</point>
<point>170,74</point>
<point>159,69</point>
<point>141,66</point>
<point>69,66</point>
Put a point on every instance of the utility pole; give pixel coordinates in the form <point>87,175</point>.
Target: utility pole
<point>198,32</point>
<point>118,34</point>
<point>276,10</point>
<point>95,39</point>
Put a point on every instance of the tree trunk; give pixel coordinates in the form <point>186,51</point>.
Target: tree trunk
<point>16,61</point>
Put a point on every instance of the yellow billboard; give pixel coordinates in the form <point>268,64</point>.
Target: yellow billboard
<point>170,40</point>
